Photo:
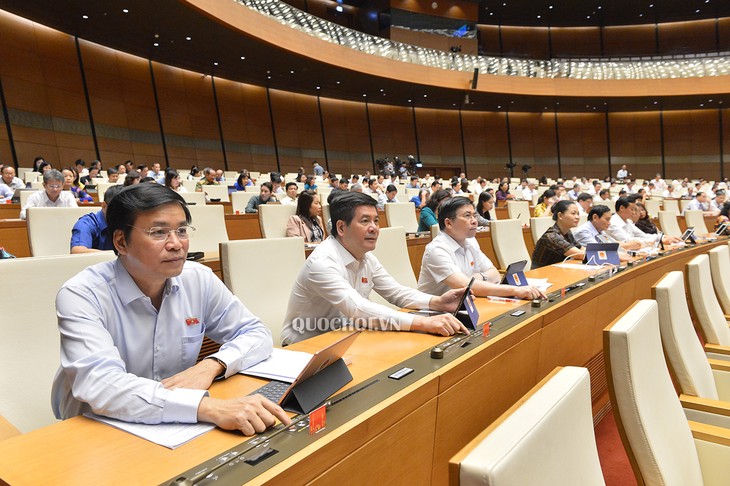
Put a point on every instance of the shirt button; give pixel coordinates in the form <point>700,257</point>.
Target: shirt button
<point>157,348</point>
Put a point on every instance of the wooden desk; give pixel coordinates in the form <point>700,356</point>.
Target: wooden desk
<point>408,437</point>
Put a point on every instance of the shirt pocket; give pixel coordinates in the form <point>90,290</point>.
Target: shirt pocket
<point>191,347</point>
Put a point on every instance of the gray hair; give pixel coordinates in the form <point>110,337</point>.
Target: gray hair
<point>52,175</point>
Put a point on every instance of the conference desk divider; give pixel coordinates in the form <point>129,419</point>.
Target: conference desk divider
<point>404,430</point>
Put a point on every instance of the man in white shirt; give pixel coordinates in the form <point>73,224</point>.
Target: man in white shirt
<point>481,187</point>
<point>599,220</point>
<point>156,173</point>
<point>659,183</point>
<point>623,229</point>
<point>291,194</point>
<point>52,195</point>
<point>131,329</point>
<point>622,173</point>
<point>454,257</point>
<point>700,203</point>
<point>574,192</point>
<point>529,191</point>
<point>8,178</point>
<point>585,202</point>
<point>332,289</point>
<point>717,203</point>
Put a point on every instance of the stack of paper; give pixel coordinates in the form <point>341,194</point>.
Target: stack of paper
<point>540,283</point>
<point>168,435</point>
<point>282,365</point>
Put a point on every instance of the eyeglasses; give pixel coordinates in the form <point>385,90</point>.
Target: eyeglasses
<point>162,233</point>
<point>54,186</point>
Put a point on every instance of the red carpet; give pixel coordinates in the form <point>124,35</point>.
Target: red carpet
<point>614,462</point>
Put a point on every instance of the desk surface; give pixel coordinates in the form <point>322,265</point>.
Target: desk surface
<point>420,425</point>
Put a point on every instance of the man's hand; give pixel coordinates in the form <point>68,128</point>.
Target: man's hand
<point>448,301</point>
<point>631,245</point>
<point>442,324</point>
<point>250,415</point>
<point>671,240</point>
<point>529,292</point>
<point>199,377</point>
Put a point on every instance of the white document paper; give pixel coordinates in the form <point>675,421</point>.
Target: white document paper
<point>540,283</point>
<point>170,435</point>
<point>282,365</point>
<point>577,266</point>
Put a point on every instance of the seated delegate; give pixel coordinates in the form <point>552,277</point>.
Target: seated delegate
<point>52,195</point>
<point>89,233</point>
<point>427,218</point>
<point>264,197</point>
<point>307,223</point>
<point>558,243</point>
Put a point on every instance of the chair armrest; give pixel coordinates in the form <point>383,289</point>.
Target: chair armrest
<point>717,352</point>
<point>717,407</point>
<point>713,451</point>
<point>719,365</point>
<point>721,376</point>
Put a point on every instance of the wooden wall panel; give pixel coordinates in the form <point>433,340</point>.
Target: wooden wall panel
<point>246,126</point>
<point>684,37</point>
<point>525,42</point>
<point>629,40</point>
<point>489,39</point>
<point>692,144</point>
<point>723,29</point>
<point>534,143</point>
<point>636,142</point>
<point>393,132</point>
<point>485,143</point>
<point>575,41</point>
<point>298,132</point>
<point>725,142</point>
<point>439,137</point>
<point>348,142</point>
<point>583,145</point>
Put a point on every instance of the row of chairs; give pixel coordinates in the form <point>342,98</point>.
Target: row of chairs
<point>547,437</point>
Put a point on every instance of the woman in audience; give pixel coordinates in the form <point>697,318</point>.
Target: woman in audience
<point>724,216</point>
<point>194,174</point>
<point>263,198</point>
<point>421,199</point>
<point>645,223</point>
<point>309,184</point>
<point>503,193</point>
<point>173,181</point>
<point>307,222</point>
<point>429,213</point>
<point>242,181</point>
<point>485,203</point>
<point>44,166</point>
<point>545,203</point>
<point>558,243</point>
<point>121,169</point>
<point>71,183</point>
<point>133,177</point>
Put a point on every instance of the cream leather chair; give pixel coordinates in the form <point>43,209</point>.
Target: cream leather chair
<point>273,219</point>
<point>30,344</point>
<point>546,438</point>
<point>189,184</point>
<point>24,195</point>
<point>698,377</point>
<point>102,187</point>
<point>538,227</point>
<point>683,203</point>
<point>711,319</point>
<point>403,215</point>
<point>509,246</point>
<point>663,447</point>
<point>519,210</point>
<point>254,189</point>
<point>216,192</point>
<point>670,205</point>
<point>37,184</point>
<point>262,273</point>
<point>197,198</point>
<point>435,230</point>
<point>239,201</point>
<point>30,176</point>
<point>668,223</point>
<point>720,270</point>
<point>392,252</point>
<point>210,225</point>
<point>697,219</point>
<point>49,229</point>
<point>653,206</point>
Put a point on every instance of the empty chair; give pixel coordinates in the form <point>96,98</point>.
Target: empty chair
<point>683,203</point>
<point>538,226</point>
<point>545,438</point>
<point>273,219</point>
<point>720,270</point>
<point>24,195</point>
<point>210,228</point>
<point>216,192</point>
<point>239,201</point>
<point>697,377</point>
<point>30,344</point>
<point>655,432</point>
<point>49,229</point>
<point>30,176</point>
<point>189,184</point>
<point>509,245</point>
<point>696,219</point>
<point>653,206</point>
<point>101,188</point>
<point>670,205</point>
<point>197,198</point>
<point>668,223</point>
<point>247,271</point>
<point>403,215</point>
<point>519,210</point>
<point>709,314</point>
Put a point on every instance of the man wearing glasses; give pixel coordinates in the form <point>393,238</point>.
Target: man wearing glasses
<point>131,329</point>
<point>52,195</point>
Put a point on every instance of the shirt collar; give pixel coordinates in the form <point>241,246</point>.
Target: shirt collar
<point>345,255</point>
<point>451,243</point>
<point>127,288</point>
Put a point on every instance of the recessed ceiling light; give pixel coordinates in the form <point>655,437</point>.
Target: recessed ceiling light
<point>550,7</point>
<point>337,82</point>
<point>425,96</point>
<point>641,15</point>
<point>651,5</point>
<point>364,95</point>
<point>499,106</point>
<point>268,77</point>
<point>125,10</point>
<point>215,64</point>
<point>318,87</point>
<point>697,11</point>
<point>339,8</point>
<point>156,44</point>
<point>243,57</point>
<point>409,101</point>
<point>702,104</point>
<point>188,38</point>
<point>291,72</point>
<point>84,17</point>
<point>381,90</point>
<point>588,16</point>
<point>539,16</point>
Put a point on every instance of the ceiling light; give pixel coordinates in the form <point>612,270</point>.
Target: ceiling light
<point>84,17</point>
<point>156,44</point>
<point>243,57</point>
<point>425,96</point>
<point>339,8</point>
<point>409,101</point>
<point>539,16</point>
<point>215,64</point>
<point>337,82</point>
<point>318,87</point>
<point>550,7</point>
<point>125,10</point>
<point>188,38</point>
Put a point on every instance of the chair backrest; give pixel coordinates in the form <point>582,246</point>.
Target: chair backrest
<point>392,252</point>
<point>30,176</point>
<point>435,230</point>
<point>262,273</point>
<point>668,223</point>
<point>24,195</point>
<point>683,203</point>
<point>190,184</point>
<point>403,215</point>
<point>531,440</point>
<point>670,205</point>
<point>101,188</point>
<point>695,217</point>
<point>509,245</point>
<point>217,192</point>
<point>707,308</point>
<point>30,344</point>
<point>681,345</point>
<point>239,201</point>
<point>720,270</point>
<point>326,216</point>
<point>194,197</point>
<point>36,185</point>
<point>49,229</point>
<point>653,206</point>
<point>519,210</point>
<point>210,225</point>
<point>273,219</point>
<point>538,227</point>
<point>653,426</point>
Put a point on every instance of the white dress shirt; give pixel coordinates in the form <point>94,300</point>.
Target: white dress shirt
<point>444,257</point>
<point>586,233</point>
<point>40,200</point>
<point>333,287</point>
<point>695,205</point>
<point>288,201</point>
<point>622,174</point>
<point>116,347</point>
<point>16,183</point>
<point>622,231</point>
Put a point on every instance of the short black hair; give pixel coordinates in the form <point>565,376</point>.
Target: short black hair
<point>634,197</point>
<point>343,206</point>
<point>434,183</point>
<point>111,170</point>
<point>391,188</point>
<point>604,191</point>
<point>123,209</point>
<point>436,199</point>
<point>289,184</point>
<point>560,207</point>
<point>304,202</point>
<point>584,196</point>
<point>599,211</point>
<point>622,202</point>
<point>448,209</point>
<point>111,192</point>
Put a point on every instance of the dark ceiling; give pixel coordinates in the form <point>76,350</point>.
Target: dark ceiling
<point>159,30</point>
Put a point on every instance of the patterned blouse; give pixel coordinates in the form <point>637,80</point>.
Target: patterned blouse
<point>551,247</point>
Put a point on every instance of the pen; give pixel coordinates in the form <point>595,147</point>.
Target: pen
<point>502,299</point>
